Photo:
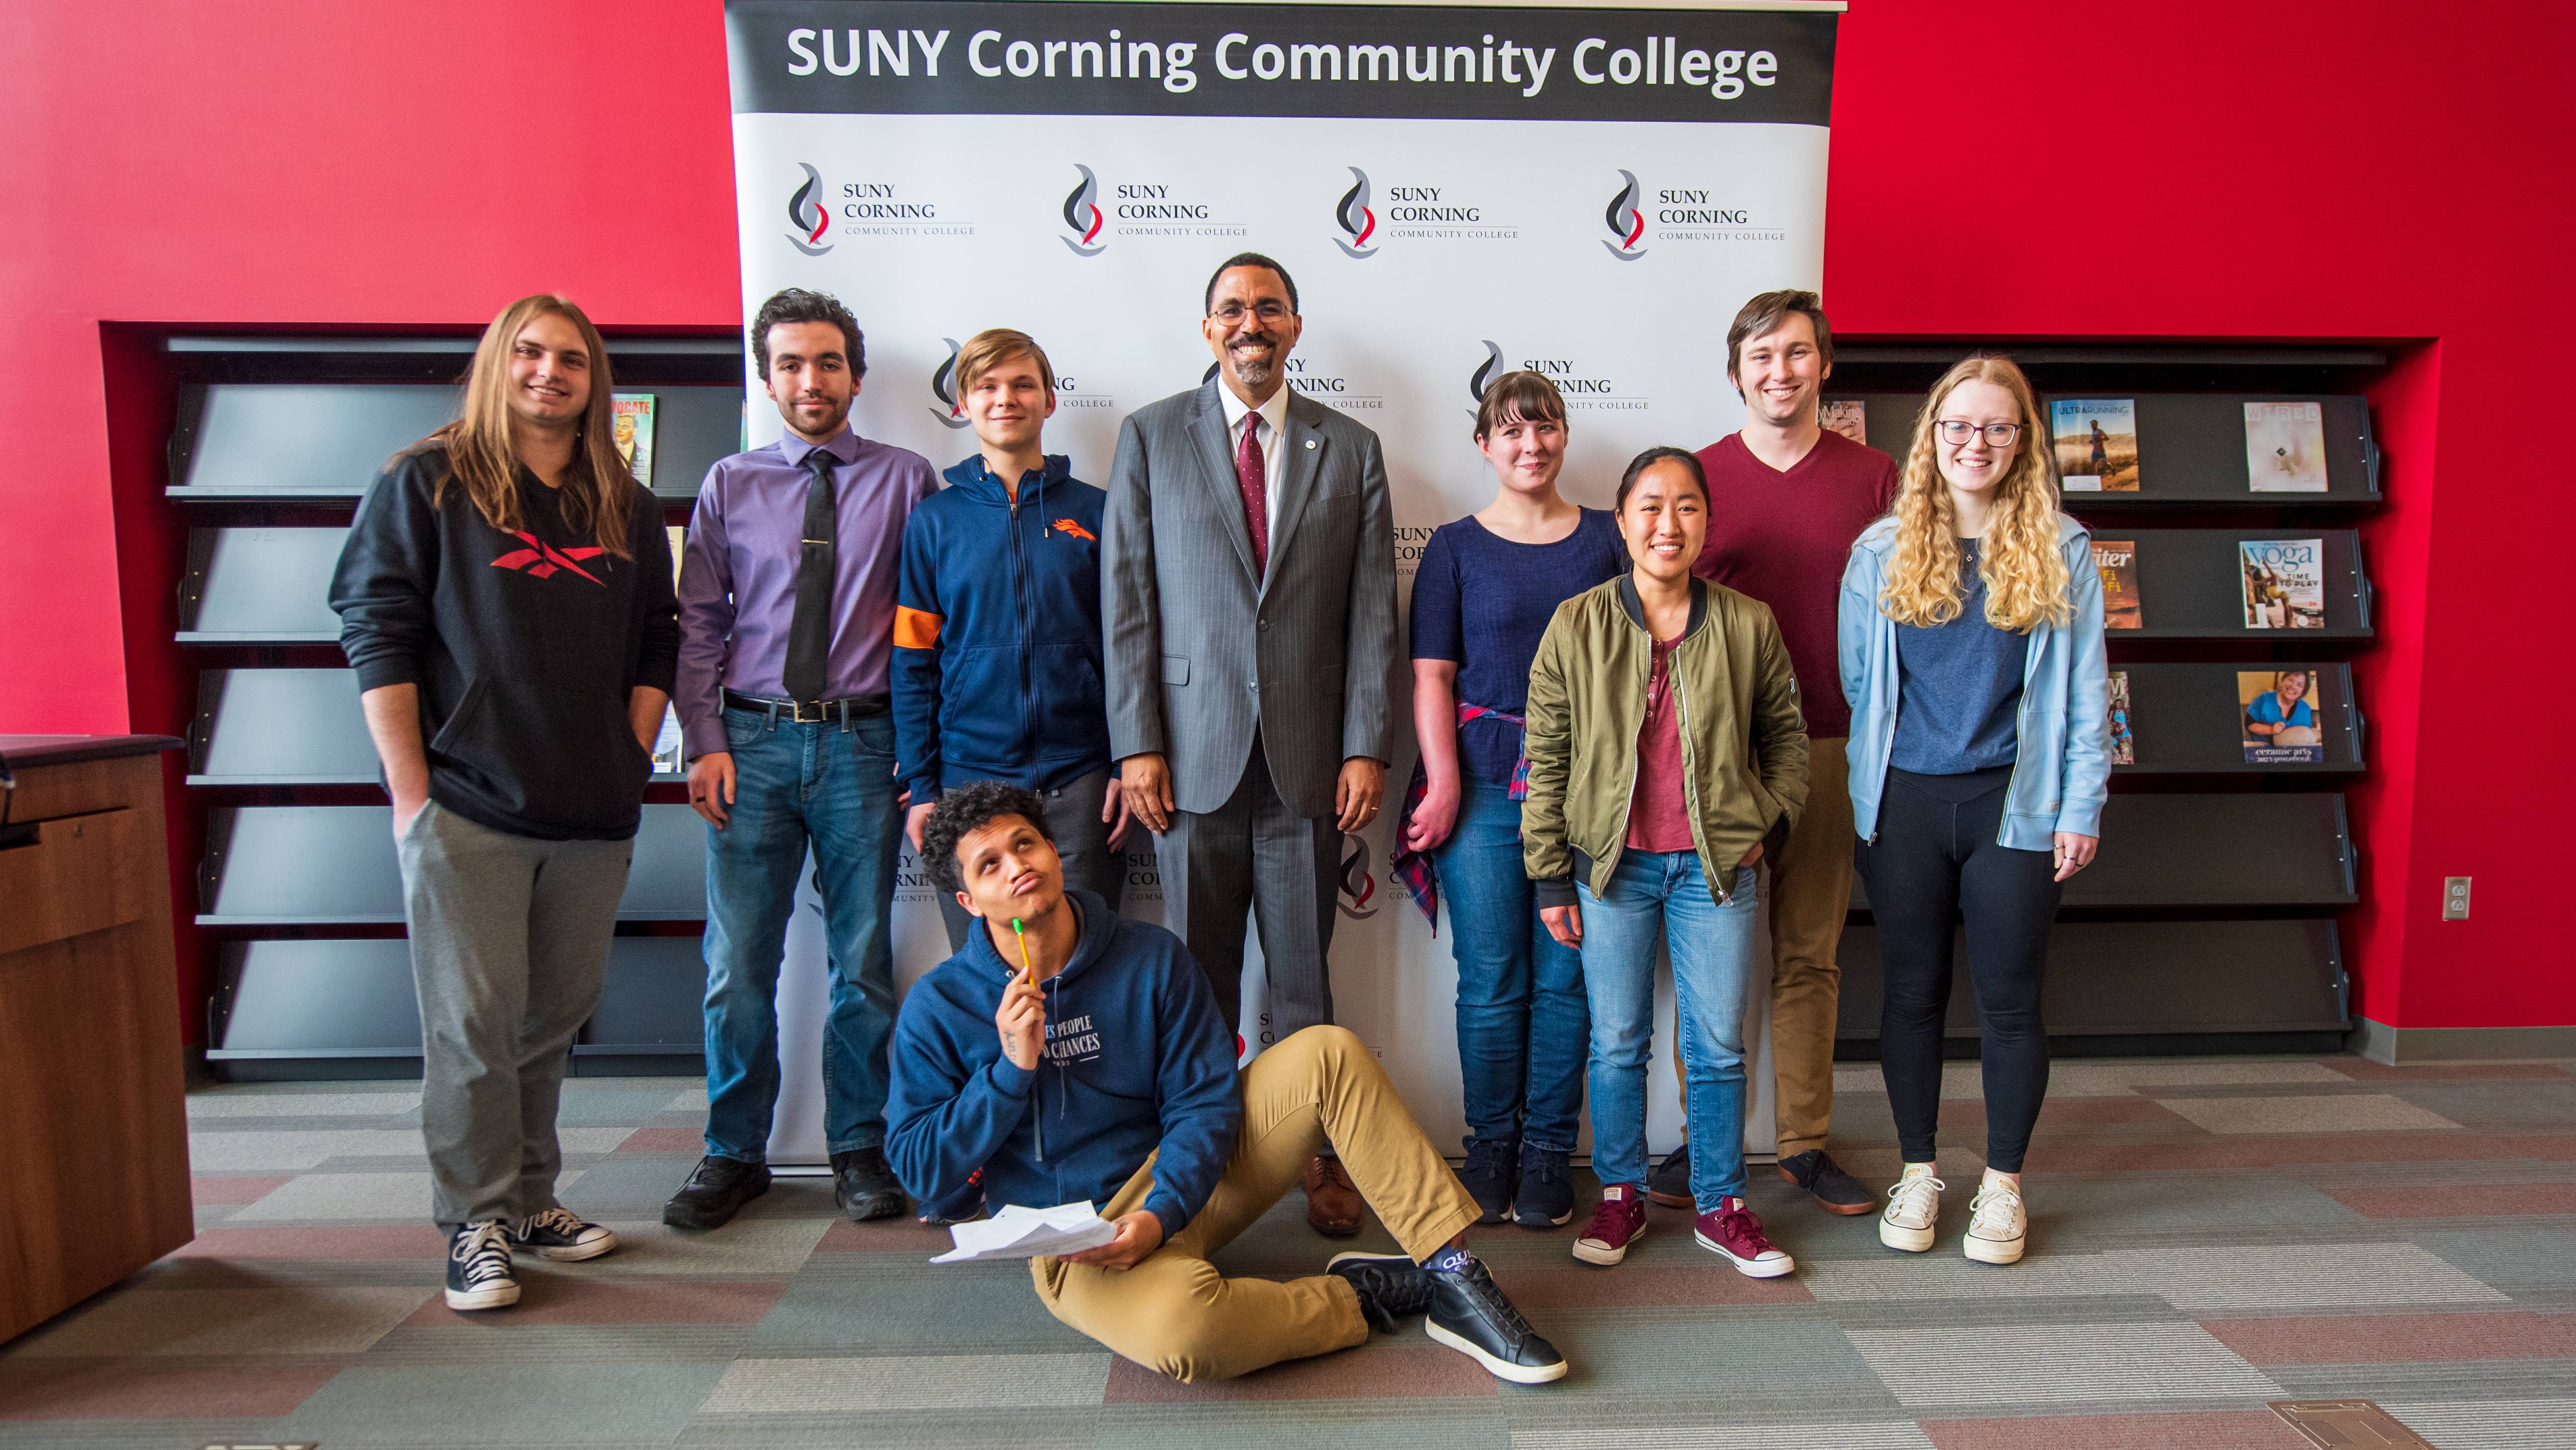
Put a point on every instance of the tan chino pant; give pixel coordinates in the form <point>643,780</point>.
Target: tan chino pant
<point>1808,888</point>
<point>1175,1313</point>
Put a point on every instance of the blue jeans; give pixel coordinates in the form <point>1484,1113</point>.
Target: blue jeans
<point>1664,897</point>
<point>830,784</point>
<point>1521,1018</point>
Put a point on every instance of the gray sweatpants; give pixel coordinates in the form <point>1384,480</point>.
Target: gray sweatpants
<point>1081,840</point>
<point>509,949</point>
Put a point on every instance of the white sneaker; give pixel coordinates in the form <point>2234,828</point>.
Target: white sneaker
<point>1913,1207</point>
<point>1997,1225</point>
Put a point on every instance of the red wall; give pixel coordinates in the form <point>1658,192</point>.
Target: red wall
<point>2295,170</point>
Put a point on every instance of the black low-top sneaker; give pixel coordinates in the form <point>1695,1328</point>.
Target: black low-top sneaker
<point>864,1186</point>
<point>1669,1184</point>
<point>1544,1198</point>
<point>1390,1286</point>
<point>478,1267</point>
<point>1470,1315</point>
<point>716,1191</point>
<point>1488,1173</point>
<point>1835,1191</point>
<point>561,1235</point>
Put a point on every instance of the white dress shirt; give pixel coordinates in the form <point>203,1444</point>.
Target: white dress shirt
<point>1272,435</point>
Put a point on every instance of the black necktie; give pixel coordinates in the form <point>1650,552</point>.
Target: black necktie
<point>809,631</point>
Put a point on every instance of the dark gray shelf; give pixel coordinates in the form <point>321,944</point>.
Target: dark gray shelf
<point>2191,446</point>
<point>2288,851</point>
<point>2191,583</point>
<point>264,727</point>
<point>336,866</point>
<point>2185,718</point>
<point>287,442</point>
<point>259,586</point>
<point>2144,979</point>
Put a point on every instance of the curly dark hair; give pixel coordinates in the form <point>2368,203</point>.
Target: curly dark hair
<point>796,304</point>
<point>970,809</point>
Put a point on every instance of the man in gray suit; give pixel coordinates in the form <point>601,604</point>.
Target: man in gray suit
<point>1248,598</point>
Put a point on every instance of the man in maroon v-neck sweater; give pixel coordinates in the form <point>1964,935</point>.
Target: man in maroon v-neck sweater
<point>1786,499</point>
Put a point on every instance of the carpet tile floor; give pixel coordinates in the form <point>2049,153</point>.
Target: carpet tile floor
<point>2207,1235</point>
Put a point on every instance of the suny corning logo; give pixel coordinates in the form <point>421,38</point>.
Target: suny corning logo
<point>542,560</point>
<point>1626,222</point>
<point>943,386</point>
<point>1359,888</point>
<point>1082,213</point>
<point>1483,376</point>
<point>805,208</point>
<point>1355,217</point>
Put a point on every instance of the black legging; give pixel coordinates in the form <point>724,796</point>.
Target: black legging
<point>1934,859</point>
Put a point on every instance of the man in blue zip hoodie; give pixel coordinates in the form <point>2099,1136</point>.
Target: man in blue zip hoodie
<point>997,625</point>
<point>1102,1070</point>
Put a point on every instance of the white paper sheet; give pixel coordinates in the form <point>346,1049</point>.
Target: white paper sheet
<point>1026,1233</point>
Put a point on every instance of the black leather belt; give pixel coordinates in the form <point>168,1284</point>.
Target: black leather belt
<point>812,712</point>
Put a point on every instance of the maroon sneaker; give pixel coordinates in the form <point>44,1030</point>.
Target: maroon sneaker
<point>1617,1221</point>
<point>1733,1233</point>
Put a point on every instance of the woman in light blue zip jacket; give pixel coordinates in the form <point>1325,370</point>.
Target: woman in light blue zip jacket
<point>1970,633</point>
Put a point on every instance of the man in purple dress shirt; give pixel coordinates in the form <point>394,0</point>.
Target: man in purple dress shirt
<point>787,594</point>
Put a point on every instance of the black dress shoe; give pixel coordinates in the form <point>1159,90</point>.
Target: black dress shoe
<point>864,1186</point>
<point>1669,1184</point>
<point>1836,1191</point>
<point>1470,1315</point>
<point>1390,1286</point>
<point>716,1191</point>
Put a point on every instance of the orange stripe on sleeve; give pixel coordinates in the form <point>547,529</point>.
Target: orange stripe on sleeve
<point>916,628</point>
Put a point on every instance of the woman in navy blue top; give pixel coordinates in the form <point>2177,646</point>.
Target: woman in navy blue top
<point>1487,586</point>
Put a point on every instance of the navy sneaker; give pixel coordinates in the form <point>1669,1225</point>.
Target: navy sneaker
<point>561,1235</point>
<point>1488,1173</point>
<point>479,1272</point>
<point>1544,1198</point>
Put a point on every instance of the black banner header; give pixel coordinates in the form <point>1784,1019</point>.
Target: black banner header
<point>1004,57</point>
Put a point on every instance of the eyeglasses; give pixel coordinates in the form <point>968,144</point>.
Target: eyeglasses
<point>1955,431</point>
<point>1231,313</point>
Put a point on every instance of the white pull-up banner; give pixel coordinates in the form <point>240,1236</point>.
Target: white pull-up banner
<point>1457,190</point>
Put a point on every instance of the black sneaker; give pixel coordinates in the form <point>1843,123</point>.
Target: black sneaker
<point>1544,1198</point>
<point>561,1235</point>
<point>1836,1191</point>
<point>716,1191</point>
<point>478,1267</point>
<point>1470,1315</point>
<point>1669,1184</point>
<point>1390,1286</point>
<point>864,1186</point>
<point>1488,1176</point>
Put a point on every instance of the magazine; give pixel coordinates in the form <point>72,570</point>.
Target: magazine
<point>668,759</point>
<point>2117,559</point>
<point>2124,744</point>
<point>2285,447</point>
<point>2285,583</point>
<point>631,421</point>
<point>679,543</point>
<point>2097,444</point>
<point>1849,417</point>
<point>2277,717</point>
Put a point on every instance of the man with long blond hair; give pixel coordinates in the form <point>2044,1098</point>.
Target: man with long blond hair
<point>505,599</point>
<point>1971,651</point>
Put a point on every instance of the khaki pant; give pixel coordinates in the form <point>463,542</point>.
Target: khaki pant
<point>1808,887</point>
<point>1175,1313</point>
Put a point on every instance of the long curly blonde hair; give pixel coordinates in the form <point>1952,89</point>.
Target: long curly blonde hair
<point>2024,571</point>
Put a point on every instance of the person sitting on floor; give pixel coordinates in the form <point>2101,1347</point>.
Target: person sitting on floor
<point>1138,1106</point>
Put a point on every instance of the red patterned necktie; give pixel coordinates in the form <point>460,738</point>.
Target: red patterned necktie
<point>1251,472</point>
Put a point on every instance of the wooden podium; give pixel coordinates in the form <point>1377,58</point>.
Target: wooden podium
<point>93,1116</point>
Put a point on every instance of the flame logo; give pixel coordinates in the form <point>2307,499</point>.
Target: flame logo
<point>805,208</point>
<point>943,386</point>
<point>1483,376</point>
<point>1082,214</point>
<point>1626,222</point>
<point>1359,887</point>
<point>1355,217</point>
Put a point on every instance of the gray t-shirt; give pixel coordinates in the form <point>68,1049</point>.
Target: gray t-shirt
<point>1959,687</point>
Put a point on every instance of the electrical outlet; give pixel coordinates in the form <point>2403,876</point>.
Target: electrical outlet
<point>2455,898</point>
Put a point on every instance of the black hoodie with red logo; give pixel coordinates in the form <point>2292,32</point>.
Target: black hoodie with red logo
<point>525,647</point>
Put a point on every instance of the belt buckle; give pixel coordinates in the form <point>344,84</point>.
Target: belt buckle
<point>796,712</point>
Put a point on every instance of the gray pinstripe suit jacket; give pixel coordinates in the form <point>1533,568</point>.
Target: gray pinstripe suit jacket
<point>1199,651</point>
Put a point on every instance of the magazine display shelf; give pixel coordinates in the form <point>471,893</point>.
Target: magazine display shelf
<point>2208,919</point>
<point>273,440</point>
